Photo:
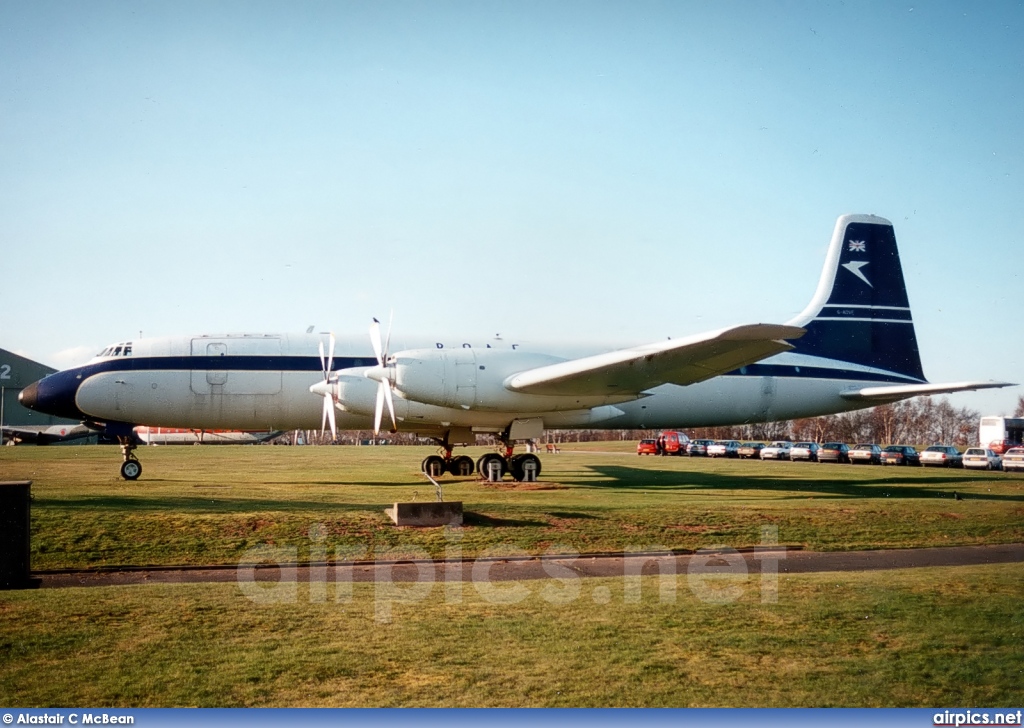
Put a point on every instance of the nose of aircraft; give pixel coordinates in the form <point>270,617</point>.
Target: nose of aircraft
<point>54,395</point>
<point>29,395</point>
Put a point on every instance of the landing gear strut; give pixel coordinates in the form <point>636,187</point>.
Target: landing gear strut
<point>131,468</point>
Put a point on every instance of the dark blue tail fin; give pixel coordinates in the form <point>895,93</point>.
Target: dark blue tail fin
<point>860,313</point>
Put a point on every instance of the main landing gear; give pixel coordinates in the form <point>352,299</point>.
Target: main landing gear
<point>131,468</point>
<point>491,466</point>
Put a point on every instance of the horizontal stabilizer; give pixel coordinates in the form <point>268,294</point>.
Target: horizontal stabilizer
<point>903,391</point>
<point>676,361</point>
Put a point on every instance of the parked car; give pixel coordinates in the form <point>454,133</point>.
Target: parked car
<point>983,458</point>
<point>900,455</point>
<point>778,450</point>
<point>751,449</point>
<point>834,452</point>
<point>999,447</point>
<point>866,453</point>
<point>699,448</point>
<point>647,447</point>
<point>943,456</point>
<point>724,449</point>
<point>1013,459</point>
<point>804,451</point>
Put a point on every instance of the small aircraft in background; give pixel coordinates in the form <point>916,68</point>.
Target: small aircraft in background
<point>182,436</point>
<point>854,346</point>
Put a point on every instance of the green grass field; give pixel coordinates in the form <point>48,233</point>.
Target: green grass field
<point>942,637</point>
<point>916,637</point>
<point>200,505</point>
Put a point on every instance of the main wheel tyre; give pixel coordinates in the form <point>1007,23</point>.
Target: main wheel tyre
<point>483,465</point>
<point>434,466</point>
<point>131,469</point>
<point>521,463</point>
<point>461,466</point>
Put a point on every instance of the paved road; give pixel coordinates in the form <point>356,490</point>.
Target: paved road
<point>591,565</point>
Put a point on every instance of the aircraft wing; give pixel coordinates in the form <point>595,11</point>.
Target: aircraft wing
<point>881,395</point>
<point>676,361</point>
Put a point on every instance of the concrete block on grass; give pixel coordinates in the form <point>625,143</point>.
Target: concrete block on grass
<point>426,514</point>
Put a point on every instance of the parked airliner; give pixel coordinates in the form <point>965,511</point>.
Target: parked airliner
<point>854,346</point>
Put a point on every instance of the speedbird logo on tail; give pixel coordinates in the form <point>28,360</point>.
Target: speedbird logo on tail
<point>855,268</point>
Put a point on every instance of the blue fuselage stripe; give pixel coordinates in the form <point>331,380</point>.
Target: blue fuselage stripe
<point>223,363</point>
<point>312,364</point>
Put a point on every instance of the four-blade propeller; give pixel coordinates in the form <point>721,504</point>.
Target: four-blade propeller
<point>380,373</point>
<point>325,389</point>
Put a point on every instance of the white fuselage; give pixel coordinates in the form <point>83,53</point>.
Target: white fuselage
<point>261,382</point>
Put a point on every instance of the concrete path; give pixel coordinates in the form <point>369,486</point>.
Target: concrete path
<point>589,565</point>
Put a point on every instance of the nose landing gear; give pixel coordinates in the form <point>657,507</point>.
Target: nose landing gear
<point>131,468</point>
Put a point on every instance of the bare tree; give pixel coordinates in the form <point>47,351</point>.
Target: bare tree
<point>1019,412</point>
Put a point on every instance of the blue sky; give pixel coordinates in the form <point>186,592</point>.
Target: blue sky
<point>569,170</point>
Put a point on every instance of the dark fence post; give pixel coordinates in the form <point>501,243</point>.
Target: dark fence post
<point>15,535</point>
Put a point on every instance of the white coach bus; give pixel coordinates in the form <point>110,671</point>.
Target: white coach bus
<point>999,434</point>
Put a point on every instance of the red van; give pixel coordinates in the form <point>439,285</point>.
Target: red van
<point>673,443</point>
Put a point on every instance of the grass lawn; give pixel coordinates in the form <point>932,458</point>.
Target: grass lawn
<point>200,505</point>
<point>942,637</point>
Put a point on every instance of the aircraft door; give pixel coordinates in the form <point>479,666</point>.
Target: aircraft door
<point>209,375</point>
<point>465,377</point>
<point>243,365</point>
<point>216,377</point>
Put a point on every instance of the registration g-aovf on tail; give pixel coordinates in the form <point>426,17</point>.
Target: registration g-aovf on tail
<point>853,346</point>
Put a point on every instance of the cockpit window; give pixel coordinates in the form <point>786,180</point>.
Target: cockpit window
<point>123,349</point>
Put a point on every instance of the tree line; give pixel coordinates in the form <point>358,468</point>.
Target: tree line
<point>918,421</point>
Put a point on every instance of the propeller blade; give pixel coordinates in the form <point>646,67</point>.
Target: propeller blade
<point>330,358</point>
<point>387,341</point>
<point>379,409</point>
<point>386,386</point>
<point>323,366</point>
<point>329,407</point>
<point>375,340</point>
<point>323,417</point>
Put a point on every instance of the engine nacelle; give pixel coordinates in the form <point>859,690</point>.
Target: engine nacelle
<point>463,378</point>
<point>474,379</point>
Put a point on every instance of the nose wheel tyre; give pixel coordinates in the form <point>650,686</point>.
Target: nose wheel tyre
<point>131,469</point>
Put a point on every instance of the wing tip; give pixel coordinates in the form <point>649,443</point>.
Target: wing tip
<point>893,393</point>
